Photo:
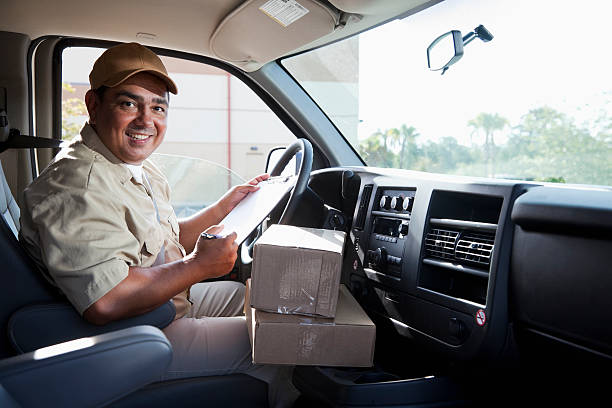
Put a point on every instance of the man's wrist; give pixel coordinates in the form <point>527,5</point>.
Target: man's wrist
<point>220,210</point>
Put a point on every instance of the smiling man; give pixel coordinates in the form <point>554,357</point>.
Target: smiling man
<point>98,220</point>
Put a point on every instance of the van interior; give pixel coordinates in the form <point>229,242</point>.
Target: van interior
<point>478,219</point>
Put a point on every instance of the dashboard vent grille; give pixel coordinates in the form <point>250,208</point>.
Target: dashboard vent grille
<point>363,206</point>
<point>475,247</point>
<point>464,247</point>
<point>440,243</point>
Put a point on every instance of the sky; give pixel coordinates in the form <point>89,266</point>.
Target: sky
<point>543,53</point>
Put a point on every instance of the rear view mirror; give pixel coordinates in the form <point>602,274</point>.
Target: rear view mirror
<point>445,50</point>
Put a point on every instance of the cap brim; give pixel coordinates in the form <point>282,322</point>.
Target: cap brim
<point>123,75</point>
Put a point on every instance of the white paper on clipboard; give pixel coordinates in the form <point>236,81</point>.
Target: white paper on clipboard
<point>256,206</point>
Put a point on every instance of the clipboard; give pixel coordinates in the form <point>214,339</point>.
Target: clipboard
<point>255,207</point>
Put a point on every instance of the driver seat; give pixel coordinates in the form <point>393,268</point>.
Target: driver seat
<point>33,314</point>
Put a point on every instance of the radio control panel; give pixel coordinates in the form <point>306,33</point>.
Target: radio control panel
<point>390,219</point>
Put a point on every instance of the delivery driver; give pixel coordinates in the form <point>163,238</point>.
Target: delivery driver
<point>99,220</point>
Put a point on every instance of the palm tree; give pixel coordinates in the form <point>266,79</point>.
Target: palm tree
<point>489,123</point>
<point>408,146</point>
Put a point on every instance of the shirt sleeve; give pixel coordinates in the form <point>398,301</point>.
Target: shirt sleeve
<point>84,244</point>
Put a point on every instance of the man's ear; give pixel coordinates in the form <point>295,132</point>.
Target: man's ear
<point>92,103</point>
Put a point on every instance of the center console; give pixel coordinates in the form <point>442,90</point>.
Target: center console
<point>425,261</point>
<point>390,226</point>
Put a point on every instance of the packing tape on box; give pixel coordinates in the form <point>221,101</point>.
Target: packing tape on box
<point>319,321</point>
<point>285,294</point>
<point>306,343</point>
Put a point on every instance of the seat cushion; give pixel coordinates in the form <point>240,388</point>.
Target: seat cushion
<point>236,390</point>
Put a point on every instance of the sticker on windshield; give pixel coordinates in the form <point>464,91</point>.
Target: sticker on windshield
<point>284,12</point>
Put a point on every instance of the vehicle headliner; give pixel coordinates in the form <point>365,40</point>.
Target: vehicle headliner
<point>187,26</point>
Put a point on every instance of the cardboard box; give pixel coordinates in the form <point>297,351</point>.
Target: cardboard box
<point>297,270</point>
<point>347,340</point>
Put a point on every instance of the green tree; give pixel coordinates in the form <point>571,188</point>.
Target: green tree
<point>375,151</point>
<point>408,149</point>
<point>72,108</point>
<point>547,145</point>
<point>446,156</point>
<point>488,124</point>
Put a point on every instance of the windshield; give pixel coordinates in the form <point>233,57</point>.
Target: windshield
<point>531,104</point>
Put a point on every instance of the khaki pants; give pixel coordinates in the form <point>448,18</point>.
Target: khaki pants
<point>212,339</point>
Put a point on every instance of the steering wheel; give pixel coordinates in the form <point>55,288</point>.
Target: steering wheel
<point>303,175</point>
<point>304,147</point>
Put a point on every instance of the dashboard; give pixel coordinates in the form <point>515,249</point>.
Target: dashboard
<point>466,265</point>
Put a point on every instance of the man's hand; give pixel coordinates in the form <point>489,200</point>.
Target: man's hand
<point>237,193</point>
<point>192,226</point>
<point>216,257</point>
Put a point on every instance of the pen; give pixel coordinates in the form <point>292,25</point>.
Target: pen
<point>206,235</point>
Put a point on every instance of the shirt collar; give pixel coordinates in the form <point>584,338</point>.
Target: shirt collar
<point>92,140</point>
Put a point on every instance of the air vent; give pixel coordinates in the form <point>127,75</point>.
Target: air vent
<point>457,259</point>
<point>458,245</point>
<point>465,247</point>
<point>475,247</point>
<point>363,206</point>
<point>440,243</point>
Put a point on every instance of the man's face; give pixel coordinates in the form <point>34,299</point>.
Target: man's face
<point>131,117</point>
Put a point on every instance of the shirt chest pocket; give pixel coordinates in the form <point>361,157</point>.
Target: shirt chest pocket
<point>152,245</point>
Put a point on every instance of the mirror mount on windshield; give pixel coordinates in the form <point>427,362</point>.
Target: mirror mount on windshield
<point>447,49</point>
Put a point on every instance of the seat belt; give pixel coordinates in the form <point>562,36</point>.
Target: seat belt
<point>13,139</point>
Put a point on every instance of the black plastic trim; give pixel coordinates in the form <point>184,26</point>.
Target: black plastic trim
<point>584,212</point>
<point>456,267</point>
<point>464,224</point>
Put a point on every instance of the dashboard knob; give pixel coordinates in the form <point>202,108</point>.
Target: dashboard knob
<point>407,203</point>
<point>385,202</point>
<point>380,257</point>
<point>397,203</point>
<point>403,229</point>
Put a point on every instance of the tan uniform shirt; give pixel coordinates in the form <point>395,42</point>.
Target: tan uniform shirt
<point>87,220</point>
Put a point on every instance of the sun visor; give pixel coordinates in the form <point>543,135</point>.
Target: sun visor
<point>260,31</point>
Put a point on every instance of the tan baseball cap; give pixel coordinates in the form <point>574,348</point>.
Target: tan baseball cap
<point>122,61</point>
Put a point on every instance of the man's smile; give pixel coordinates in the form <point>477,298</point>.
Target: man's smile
<point>138,135</point>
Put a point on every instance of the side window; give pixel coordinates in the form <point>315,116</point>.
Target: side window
<point>219,131</point>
